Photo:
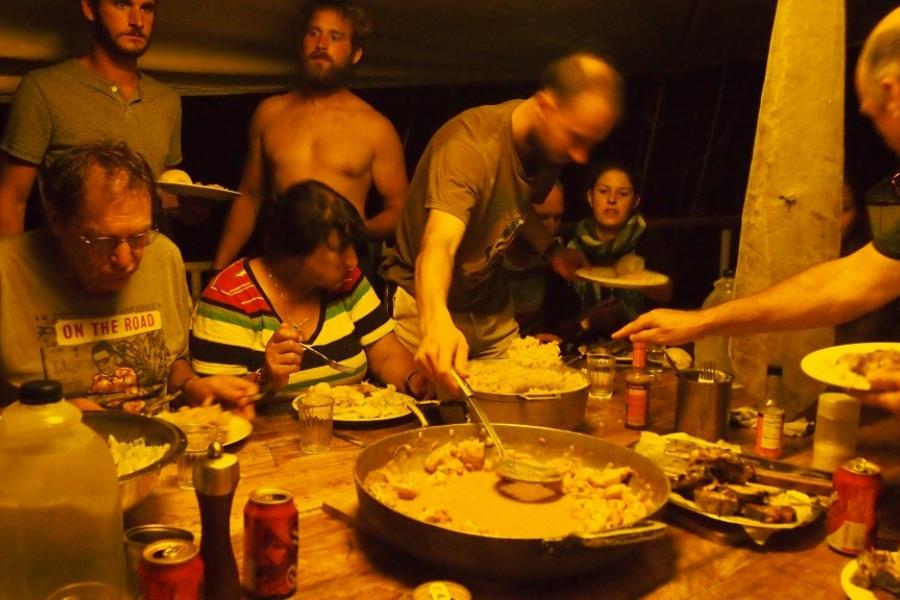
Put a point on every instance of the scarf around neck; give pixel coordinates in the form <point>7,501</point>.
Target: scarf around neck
<point>605,252</point>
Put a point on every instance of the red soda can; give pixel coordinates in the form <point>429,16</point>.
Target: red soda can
<point>271,542</point>
<point>171,570</point>
<point>853,517</point>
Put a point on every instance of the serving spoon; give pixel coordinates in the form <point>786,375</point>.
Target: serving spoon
<point>508,468</point>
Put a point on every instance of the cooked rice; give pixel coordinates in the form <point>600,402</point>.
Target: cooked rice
<point>530,367</point>
<point>133,456</point>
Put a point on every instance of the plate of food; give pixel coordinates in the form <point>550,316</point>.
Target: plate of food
<point>627,273</point>
<point>712,480</point>
<point>232,428</point>
<point>873,574</point>
<point>847,366</point>
<point>176,181</point>
<point>362,402</point>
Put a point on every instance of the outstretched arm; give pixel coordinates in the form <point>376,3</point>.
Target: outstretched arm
<point>826,294</point>
<point>390,181</point>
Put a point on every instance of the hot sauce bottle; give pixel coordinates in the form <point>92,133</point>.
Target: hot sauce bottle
<point>637,387</point>
<point>770,416</point>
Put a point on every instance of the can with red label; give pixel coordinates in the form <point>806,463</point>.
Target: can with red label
<point>271,541</point>
<point>853,517</point>
<point>171,569</point>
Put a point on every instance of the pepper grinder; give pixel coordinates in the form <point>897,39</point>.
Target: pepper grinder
<point>215,481</point>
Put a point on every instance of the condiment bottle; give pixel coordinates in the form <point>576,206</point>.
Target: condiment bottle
<point>215,481</point>
<point>837,424</point>
<point>637,386</point>
<point>715,348</point>
<point>60,515</point>
<point>770,416</point>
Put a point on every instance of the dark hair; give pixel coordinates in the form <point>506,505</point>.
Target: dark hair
<point>304,216</point>
<point>353,12</point>
<point>581,72</point>
<point>600,168</point>
<point>62,186</point>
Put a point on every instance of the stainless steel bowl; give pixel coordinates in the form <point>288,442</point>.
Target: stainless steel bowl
<point>126,427</point>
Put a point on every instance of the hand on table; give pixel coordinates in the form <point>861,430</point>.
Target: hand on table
<point>443,347</point>
<point>232,392</point>
<point>885,391</point>
<point>566,261</point>
<point>283,353</point>
<point>664,326</point>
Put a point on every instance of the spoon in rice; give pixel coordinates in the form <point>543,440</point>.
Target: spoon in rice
<point>508,468</point>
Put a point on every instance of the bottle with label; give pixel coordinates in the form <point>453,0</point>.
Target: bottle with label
<point>637,388</point>
<point>60,516</point>
<point>715,348</point>
<point>770,416</point>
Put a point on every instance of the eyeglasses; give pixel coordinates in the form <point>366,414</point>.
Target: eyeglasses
<point>107,244</point>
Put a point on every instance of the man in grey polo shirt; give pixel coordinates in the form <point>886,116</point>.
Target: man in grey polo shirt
<point>98,96</point>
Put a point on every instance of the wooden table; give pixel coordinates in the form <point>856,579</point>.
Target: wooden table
<point>337,562</point>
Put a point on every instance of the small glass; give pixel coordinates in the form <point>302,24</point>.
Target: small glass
<point>199,437</point>
<point>316,419</point>
<point>601,373</point>
<point>87,590</point>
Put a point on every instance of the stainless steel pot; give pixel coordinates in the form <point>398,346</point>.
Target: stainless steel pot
<point>504,557</point>
<point>560,410</point>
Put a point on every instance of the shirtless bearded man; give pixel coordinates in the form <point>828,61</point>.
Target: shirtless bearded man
<point>321,130</point>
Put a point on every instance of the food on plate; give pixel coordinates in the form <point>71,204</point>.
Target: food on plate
<point>529,367</point>
<point>869,362</point>
<point>363,401</point>
<point>201,415</point>
<point>878,569</point>
<point>456,487</point>
<point>718,482</point>
<point>175,176</point>
<point>679,356</point>
<point>630,265</point>
<point>135,455</point>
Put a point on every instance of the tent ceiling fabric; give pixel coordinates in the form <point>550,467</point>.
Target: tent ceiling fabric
<point>235,46</point>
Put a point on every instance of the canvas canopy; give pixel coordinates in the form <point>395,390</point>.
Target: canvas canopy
<point>235,46</point>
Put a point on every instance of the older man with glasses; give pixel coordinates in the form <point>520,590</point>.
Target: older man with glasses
<point>99,273</point>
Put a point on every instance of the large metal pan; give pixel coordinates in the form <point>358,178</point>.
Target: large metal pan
<point>504,557</point>
<point>560,410</point>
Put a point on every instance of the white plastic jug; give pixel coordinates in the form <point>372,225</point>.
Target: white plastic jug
<point>60,519</point>
<point>716,348</point>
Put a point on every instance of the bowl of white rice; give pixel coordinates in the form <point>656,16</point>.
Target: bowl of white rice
<point>141,446</point>
<point>530,386</point>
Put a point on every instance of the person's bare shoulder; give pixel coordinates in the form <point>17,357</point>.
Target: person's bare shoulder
<point>273,107</point>
<point>376,124</point>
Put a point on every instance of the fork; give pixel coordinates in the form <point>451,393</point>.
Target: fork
<point>707,372</point>
<point>330,361</point>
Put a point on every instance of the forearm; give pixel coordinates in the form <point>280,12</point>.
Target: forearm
<point>390,361</point>
<point>238,228</point>
<point>826,294</point>
<point>434,268</point>
<point>12,215</point>
<point>382,226</point>
<point>180,372</point>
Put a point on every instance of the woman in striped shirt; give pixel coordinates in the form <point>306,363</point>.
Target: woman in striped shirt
<point>306,287</point>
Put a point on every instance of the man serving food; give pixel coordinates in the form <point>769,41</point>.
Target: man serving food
<point>832,292</point>
<point>472,195</point>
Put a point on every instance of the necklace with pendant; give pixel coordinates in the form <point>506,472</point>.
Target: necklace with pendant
<point>284,305</point>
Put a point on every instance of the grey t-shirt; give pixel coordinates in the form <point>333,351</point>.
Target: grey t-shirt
<point>67,105</point>
<point>470,169</point>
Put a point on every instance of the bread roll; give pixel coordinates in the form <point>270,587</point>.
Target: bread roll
<point>629,265</point>
<point>175,176</point>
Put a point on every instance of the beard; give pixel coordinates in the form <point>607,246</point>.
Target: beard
<point>318,78</point>
<point>105,38</point>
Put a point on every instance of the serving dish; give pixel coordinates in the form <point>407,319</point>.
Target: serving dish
<point>634,281</point>
<point>127,427</point>
<point>210,192</point>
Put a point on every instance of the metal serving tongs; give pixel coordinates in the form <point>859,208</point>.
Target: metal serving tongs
<point>508,468</point>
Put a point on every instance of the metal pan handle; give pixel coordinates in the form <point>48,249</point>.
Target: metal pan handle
<point>540,397</point>
<point>643,531</point>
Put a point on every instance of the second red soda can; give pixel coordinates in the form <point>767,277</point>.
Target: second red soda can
<point>271,541</point>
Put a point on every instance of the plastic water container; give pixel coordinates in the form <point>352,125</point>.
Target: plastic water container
<point>715,348</point>
<point>60,518</point>
<point>837,426</point>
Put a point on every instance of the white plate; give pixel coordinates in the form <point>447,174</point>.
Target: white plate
<point>822,364</point>
<point>238,429</point>
<point>347,420</point>
<point>607,276</point>
<point>853,591</point>
<point>198,191</point>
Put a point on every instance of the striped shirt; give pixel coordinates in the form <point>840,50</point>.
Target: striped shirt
<point>235,319</point>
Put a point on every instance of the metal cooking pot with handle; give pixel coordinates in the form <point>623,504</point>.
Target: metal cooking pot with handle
<point>510,558</point>
<point>560,410</point>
